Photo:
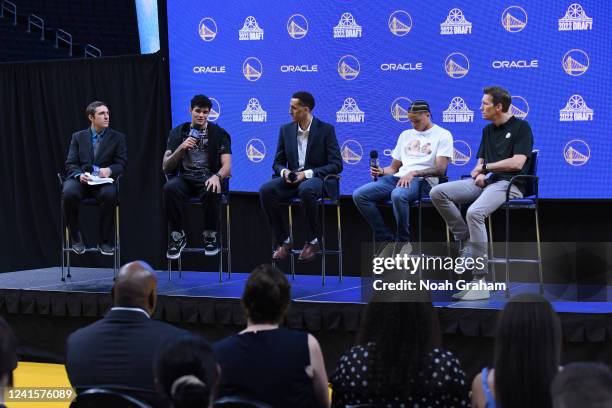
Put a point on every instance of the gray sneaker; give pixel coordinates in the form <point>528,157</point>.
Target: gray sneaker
<point>475,293</point>
<point>176,243</point>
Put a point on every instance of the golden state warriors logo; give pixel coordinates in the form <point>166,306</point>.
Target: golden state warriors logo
<point>519,107</point>
<point>207,29</point>
<point>250,31</point>
<point>576,152</point>
<point>350,112</point>
<point>252,69</point>
<point>351,152</point>
<point>347,27</point>
<point>575,19</point>
<point>514,19</point>
<point>455,24</point>
<point>575,110</point>
<point>348,67</point>
<point>400,23</point>
<point>457,65</point>
<point>399,109</point>
<point>297,26</point>
<point>255,150</point>
<point>254,112</point>
<point>215,111</point>
<point>462,153</point>
<point>458,111</point>
<point>575,62</point>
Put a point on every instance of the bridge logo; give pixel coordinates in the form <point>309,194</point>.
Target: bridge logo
<point>400,23</point>
<point>348,67</point>
<point>457,65</point>
<point>462,153</point>
<point>297,26</point>
<point>519,107</point>
<point>207,29</point>
<point>575,62</point>
<point>215,110</point>
<point>576,152</point>
<point>252,69</point>
<point>514,19</point>
<point>399,109</point>
<point>255,150</point>
<point>351,151</point>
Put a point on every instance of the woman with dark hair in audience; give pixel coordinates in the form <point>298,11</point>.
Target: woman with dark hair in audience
<point>266,362</point>
<point>397,361</point>
<point>527,357</point>
<point>186,373</point>
<point>8,357</point>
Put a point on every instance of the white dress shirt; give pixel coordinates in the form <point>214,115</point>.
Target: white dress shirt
<point>302,145</point>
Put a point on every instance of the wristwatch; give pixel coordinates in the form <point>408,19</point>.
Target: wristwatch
<point>218,175</point>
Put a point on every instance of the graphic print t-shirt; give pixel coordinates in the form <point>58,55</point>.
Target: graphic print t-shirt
<point>418,150</point>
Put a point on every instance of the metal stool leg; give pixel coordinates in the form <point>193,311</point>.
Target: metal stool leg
<point>323,248</point>
<point>68,275</point>
<point>507,250</point>
<point>292,241</point>
<point>180,262</point>
<point>339,226</point>
<point>491,246</point>
<point>539,251</point>
<point>229,242</point>
<point>117,251</point>
<point>220,236</point>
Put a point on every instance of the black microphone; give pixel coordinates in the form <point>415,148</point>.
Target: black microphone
<point>374,161</point>
<point>88,168</point>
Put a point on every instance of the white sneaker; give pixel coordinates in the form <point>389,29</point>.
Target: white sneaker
<point>473,294</point>
<point>405,249</point>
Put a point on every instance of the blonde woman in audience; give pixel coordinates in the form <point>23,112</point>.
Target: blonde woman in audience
<point>527,357</point>
<point>266,362</point>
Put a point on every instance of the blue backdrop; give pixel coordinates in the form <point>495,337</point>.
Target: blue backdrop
<point>365,61</point>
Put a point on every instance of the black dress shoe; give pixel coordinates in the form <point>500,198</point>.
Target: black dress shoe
<point>106,249</point>
<point>76,243</point>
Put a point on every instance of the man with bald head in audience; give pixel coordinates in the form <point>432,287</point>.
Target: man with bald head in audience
<point>117,351</point>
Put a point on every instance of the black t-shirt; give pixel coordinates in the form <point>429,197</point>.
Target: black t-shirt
<point>504,141</point>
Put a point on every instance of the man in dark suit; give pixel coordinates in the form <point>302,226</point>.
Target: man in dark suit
<point>118,351</point>
<point>98,151</point>
<point>307,152</point>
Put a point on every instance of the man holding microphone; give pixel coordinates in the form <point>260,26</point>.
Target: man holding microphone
<point>199,156</point>
<point>421,155</point>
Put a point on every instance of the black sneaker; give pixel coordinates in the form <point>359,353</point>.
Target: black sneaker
<point>106,249</point>
<point>211,246</point>
<point>176,243</point>
<point>76,242</point>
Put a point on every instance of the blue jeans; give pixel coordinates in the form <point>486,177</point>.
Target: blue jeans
<point>366,197</point>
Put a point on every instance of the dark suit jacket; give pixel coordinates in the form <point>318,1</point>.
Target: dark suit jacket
<point>112,153</point>
<point>118,352</point>
<point>322,151</point>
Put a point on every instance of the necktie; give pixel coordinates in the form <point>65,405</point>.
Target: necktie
<point>97,145</point>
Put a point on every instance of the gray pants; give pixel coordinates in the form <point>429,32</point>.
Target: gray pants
<point>484,202</point>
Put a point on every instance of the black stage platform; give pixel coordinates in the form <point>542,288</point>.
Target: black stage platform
<point>44,311</point>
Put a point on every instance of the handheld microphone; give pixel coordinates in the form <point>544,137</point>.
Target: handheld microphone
<point>374,161</point>
<point>88,168</point>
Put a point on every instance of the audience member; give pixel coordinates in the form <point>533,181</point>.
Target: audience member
<point>527,357</point>
<point>186,372</point>
<point>584,385</point>
<point>268,363</point>
<point>8,357</point>
<point>117,352</point>
<point>397,361</point>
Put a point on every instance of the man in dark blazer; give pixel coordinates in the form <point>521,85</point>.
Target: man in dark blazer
<point>117,352</point>
<point>100,151</point>
<point>307,152</point>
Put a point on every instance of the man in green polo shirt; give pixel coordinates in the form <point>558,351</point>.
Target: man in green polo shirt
<point>504,152</point>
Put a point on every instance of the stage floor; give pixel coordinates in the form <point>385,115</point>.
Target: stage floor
<point>304,289</point>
